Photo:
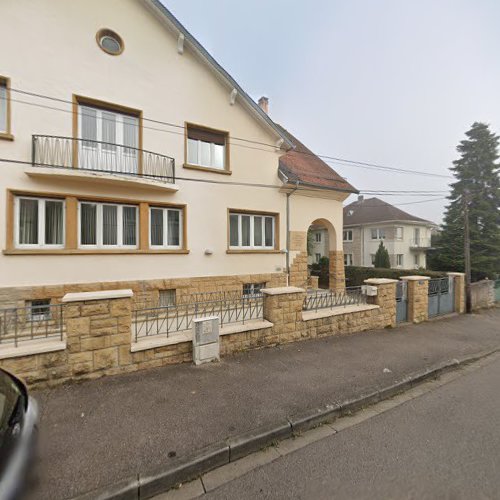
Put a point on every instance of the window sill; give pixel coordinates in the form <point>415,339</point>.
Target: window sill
<point>252,251</point>
<point>92,252</point>
<point>208,169</point>
<point>31,347</point>
<point>6,137</point>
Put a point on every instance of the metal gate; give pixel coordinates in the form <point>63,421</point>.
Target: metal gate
<point>497,290</point>
<point>441,296</point>
<point>401,301</point>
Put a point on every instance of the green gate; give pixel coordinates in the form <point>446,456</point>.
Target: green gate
<point>497,290</point>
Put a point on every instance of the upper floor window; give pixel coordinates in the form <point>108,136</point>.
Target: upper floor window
<point>206,148</point>
<point>348,235</point>
<point>105,225</point>
<point>110,42</point>
<point>399,233</point>
<point>108,140</point>
<point>4,108</point>
<point>252,231</point>
<point>39,223</point>
<point>378,234</point>
<point>318,237</point>
<point>165,227</point>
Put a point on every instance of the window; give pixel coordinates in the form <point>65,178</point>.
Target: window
<point>372,257</point>
<point>106,225</point>
<point>39,223</point>
<point>38,310</point>
<point>167,298</point>
<point>317,257</point>
<point>399,260</point>
<point>251,231</point>
<point>251,289</point>
<point>4,107</point>
<point>348,235</point>
<point>108,140</point>
<point>348,259</point>
<point>416,260</point>
<point>206,148</point>
<point>399,233</point>
<point>318,237</point>
<point>165,227</point>
<point>110,42</point>
<point>378,234</point>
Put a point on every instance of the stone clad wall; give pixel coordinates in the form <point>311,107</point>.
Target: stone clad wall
<point>482,294</point>
<point>418,298</point>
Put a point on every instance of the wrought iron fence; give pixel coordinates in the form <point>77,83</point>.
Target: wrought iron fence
<point>168,320</point>
<point>439,286</point>
<point>329,299</point>
<point>98,156</point>
<point>21,324</point>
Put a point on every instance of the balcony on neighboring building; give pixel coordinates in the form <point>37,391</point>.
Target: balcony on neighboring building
<point>83,159</point>
<point>420,243</point>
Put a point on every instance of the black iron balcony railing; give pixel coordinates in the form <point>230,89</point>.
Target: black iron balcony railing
<point>98,156</point>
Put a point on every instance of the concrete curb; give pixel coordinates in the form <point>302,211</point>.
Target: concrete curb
<point>202,461</point>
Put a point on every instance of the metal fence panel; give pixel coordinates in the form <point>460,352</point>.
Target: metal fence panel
<point>497,290</point>
<point>329,299</point>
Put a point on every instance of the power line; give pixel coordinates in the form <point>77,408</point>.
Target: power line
<point>328,158</point>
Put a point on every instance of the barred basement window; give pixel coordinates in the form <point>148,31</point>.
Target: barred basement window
<point>38,309</point>
<point>167,298</point>
<point>251,289</point>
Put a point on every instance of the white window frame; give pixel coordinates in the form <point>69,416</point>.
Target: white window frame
<point>400,260</point>
<point>318,237</point>
<point>400,229</point>
<point>5,104</point>
<point>347,235</point>
<point>212,155</point>
<point>99,226</point>
<point>165,228</point>
<point>372,259</point>
<point>41,223</point>
<point>317,257</point>
<point>252,228</point>
<point>348,259</point>
<point>380,233</point>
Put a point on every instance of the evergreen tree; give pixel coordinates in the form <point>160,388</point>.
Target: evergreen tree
<point>477,174</point>
<point>382,257</point>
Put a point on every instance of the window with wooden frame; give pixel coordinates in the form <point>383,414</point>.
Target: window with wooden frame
<point>5,131</point>
<point>252,231</point>
<point>207,148</point>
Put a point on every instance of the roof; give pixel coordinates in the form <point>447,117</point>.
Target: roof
<point>196,46</point>
<point>303,166</point>
<point>372,210</point>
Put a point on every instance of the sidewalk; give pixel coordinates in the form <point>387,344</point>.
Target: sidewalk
<point>99,432</point>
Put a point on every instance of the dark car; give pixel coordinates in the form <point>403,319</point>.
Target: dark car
<point>18,429</point>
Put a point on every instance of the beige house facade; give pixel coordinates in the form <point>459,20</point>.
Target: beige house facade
<point>131,159</point>
<point>367,222</point>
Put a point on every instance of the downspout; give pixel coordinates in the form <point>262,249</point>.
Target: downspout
<point>288,232</point>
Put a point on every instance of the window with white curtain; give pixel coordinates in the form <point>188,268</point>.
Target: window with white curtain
<point>165,227</point>
<point>378,233</point>
<point>39,222</point>
<point>3,106</point>
<point>206,148</point>
<point>251,231</point>
<point>107,225</point>
<point>348,259</point>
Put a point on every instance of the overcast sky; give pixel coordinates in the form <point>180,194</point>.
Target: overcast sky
<point>391,82</point>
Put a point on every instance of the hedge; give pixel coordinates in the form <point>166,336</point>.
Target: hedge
<point>355,276</point>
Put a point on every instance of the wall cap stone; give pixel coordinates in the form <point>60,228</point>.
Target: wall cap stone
<point>380,281</point>
<point>31,347</point>
<point>415,278</point>
<point>100,295</point>
<point>282,290</point>
<point>337,311</point>
<point>456,274</point>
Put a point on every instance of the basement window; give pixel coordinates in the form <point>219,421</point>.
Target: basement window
<point>38,310</point>
<point>167,298</point>
<point>253,289</point>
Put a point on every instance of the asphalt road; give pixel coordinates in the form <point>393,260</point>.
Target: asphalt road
<point>443,445</point>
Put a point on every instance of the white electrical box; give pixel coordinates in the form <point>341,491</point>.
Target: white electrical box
<point>369,291</point>
<point>206,347</point>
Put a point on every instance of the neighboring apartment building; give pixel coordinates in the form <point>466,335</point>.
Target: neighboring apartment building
<point>126,163</point>
<point>367,222</point>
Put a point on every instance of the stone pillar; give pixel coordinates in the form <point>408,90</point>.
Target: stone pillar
<point>98,325</point>
<point>298,259</point>
<point>459,291</point>
<point>283,308</point>
<point>418,298</point>
<point>313,282</point>
<point>337,274</point>
<point>385,298</point>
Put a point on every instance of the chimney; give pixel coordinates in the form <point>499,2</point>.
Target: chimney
<point>264,104</point>
<point>361,198</point>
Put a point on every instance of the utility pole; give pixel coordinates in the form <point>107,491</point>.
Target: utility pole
<point>468,298</point>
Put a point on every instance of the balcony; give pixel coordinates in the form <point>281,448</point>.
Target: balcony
<point>67,157</point>
<point>420,243</point>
